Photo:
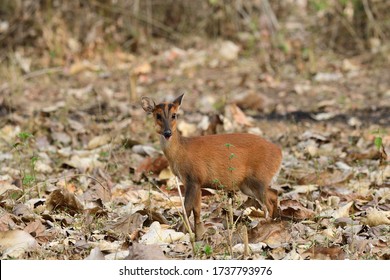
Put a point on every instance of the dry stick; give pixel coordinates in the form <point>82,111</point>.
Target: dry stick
<point>186,220</point>
<point>75,175</point>
<point>42,72</point>
<point>244,232</point>
<point>371,18</point>
<point>231,225</point>
<point>351,31</point>
<point>266,7</point>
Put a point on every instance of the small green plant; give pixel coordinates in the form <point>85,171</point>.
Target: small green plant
<point>208,250</point>
<point>216,182</point>
<point>24,136</point>
<point>22,147</point>
<point>378,142</point>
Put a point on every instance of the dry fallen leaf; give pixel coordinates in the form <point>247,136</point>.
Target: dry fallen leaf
<point>84,163</point>
<point>274,234</point>
<point>14,243</point>
<point>9,190</point>
<point>375,218</point>
<point>322,253</point>
<point>95,254</point>
<point>235,118</point>
<point>341,212</point>
<point>326,178</point>
<point>293,209</point>
<point>303,189</point>
<point>253,101</point>
<point>227,50</point>
<point>8,221</point>
<point>139,251</point>
<point>62,199</point>
<point>98,141</point>
<point>278,253</point>
<point>157,235</point>
<point>255,248</point>
<point>151,166</point>
<point>81,66</point>
<point>127,224</point>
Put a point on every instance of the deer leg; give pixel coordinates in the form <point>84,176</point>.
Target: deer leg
<point>271,202</point>
<point>262,192</point>
<point>199,228</point>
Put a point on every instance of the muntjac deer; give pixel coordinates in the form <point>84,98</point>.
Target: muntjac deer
<point>230,161</point>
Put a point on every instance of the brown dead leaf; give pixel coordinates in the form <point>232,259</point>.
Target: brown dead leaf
<point>326,178</point>
<point>8,222</point>
<point>84,163</point>
<point>62,199</point>
<point>139,251</point>
<point>165,174</point>
<point>239,116</point>
<point>22,210</point>
<point>81,66</point>
<point>154,214</point>
<point>98,141</point>
<point>372,154</point>
<point>293,209</point>
<point>97,192</point>
<point>71,187</point>
<point>278,253</point>
<point>157,234</point>
<point>152,166</point>
<point>95,254</point>
<point>343,211</point>
<point>274,234</point>
<point>14,243</point>
<point>38,230</point>
<point>323,253</point>
<point>7,190</point>
<point>376,217</point>
<point>144,68</point>
<point>127,224</point>
<point>253,101</point>
<point>61,137</point>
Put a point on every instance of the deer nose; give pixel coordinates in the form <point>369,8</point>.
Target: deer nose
<point>167,133</point>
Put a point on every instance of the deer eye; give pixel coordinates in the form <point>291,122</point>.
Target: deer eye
<point>158,117</point>
<point>174,116</point>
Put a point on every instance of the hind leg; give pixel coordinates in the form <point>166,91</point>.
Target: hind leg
<point>271,202</point>
<point>262,192</point>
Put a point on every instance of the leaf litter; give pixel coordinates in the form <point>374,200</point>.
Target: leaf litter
<point>91,181</point>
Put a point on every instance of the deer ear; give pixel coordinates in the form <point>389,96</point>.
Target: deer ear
<point>147,104</point>
<point>177,101</point>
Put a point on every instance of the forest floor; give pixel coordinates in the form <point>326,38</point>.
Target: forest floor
<point>82,174</point>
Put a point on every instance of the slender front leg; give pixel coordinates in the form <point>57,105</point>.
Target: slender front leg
<point>192,203</point>
<point>199,228</point>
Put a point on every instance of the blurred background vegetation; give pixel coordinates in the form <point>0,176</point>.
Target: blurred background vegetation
<point>281,31</point>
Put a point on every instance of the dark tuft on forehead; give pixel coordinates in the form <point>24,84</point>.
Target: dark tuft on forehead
<point>160,106</point>
<point>165,107</point>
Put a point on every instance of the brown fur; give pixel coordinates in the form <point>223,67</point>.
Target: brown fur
<point>232,162</point>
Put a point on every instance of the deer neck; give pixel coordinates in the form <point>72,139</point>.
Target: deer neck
<point>173,147</point>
